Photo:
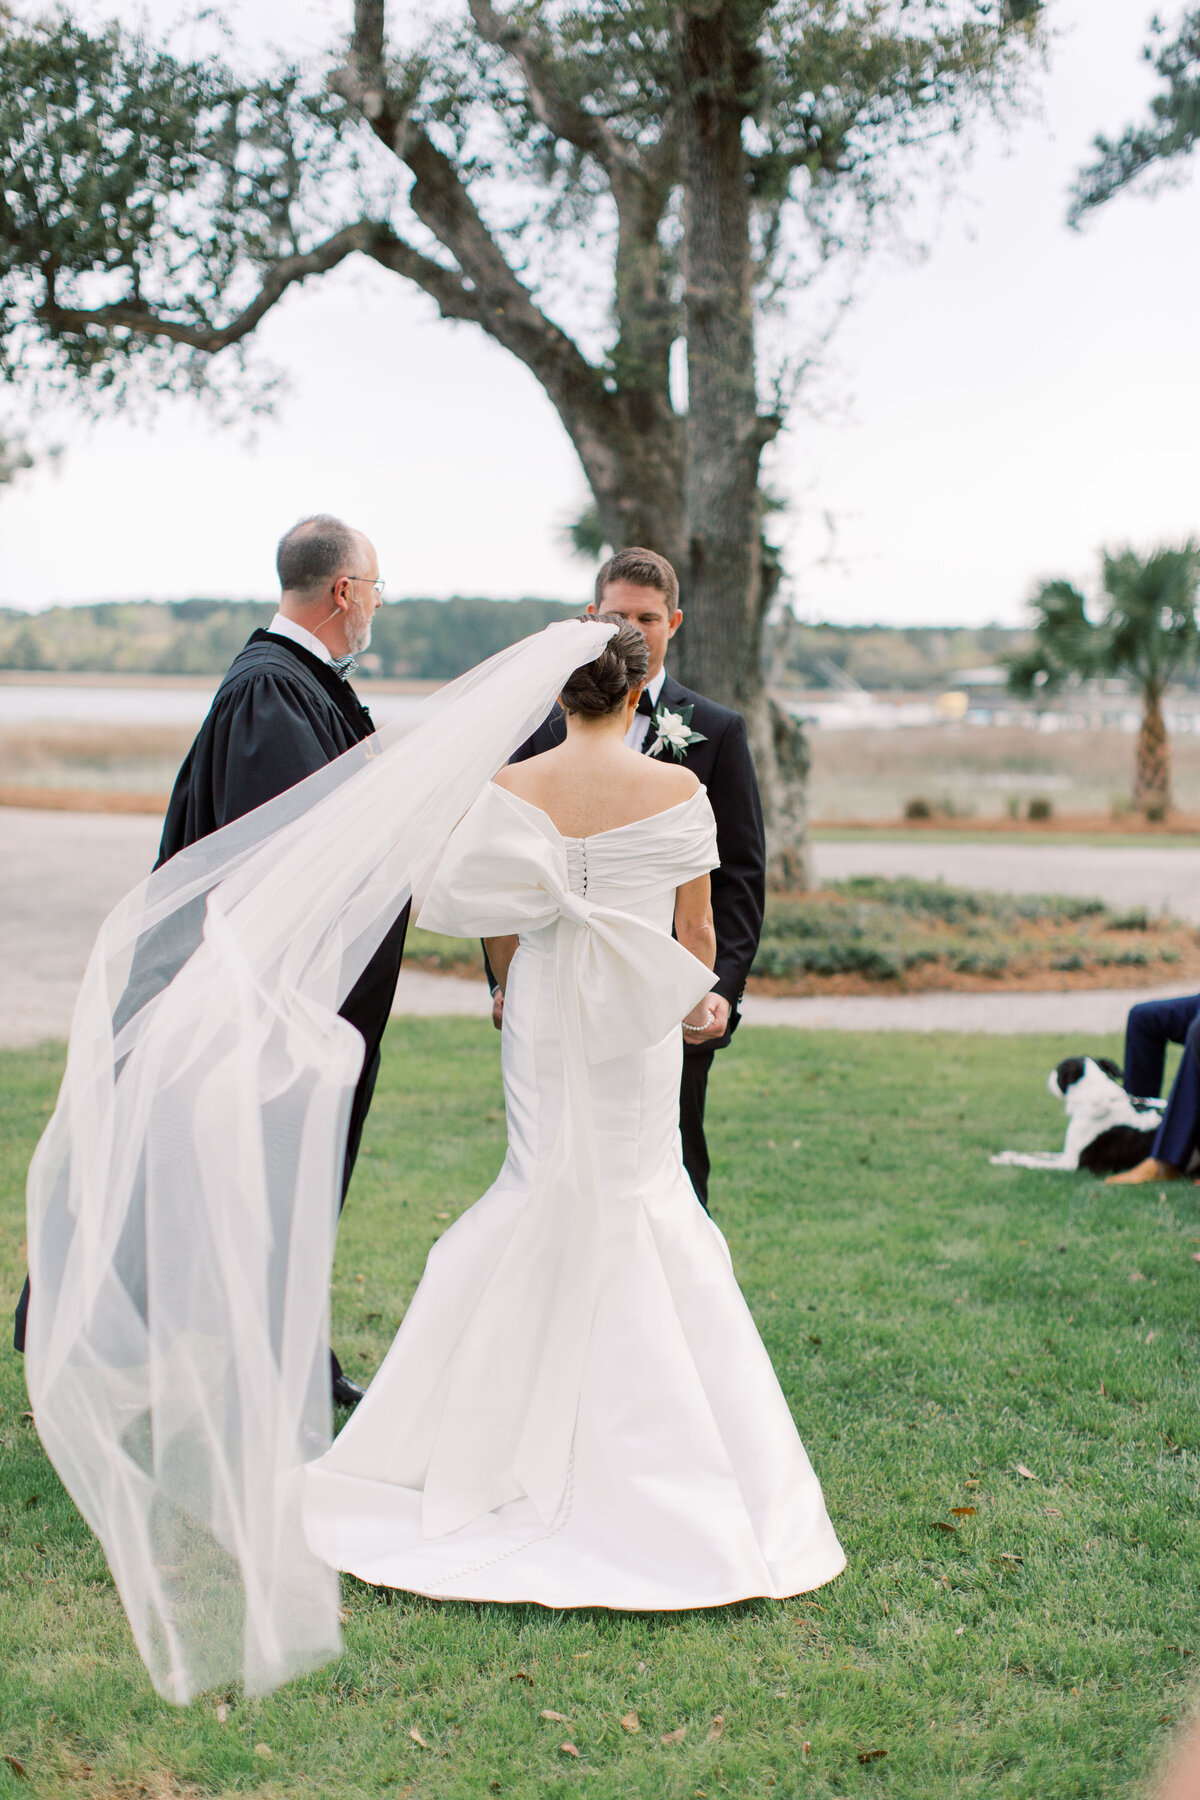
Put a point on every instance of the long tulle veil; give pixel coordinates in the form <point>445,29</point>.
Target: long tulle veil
<point>183,1198</point>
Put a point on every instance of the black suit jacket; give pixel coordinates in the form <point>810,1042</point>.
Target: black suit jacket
<point>722,762</point>
<point>279,715</point>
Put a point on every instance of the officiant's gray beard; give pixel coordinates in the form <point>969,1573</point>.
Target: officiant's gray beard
<point>358,632</point>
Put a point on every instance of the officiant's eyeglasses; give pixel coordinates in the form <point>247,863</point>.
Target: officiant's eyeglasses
<point>378,583</point>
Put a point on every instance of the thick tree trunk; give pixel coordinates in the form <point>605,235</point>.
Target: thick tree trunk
<point>719,650</point>
<point>636,478</point>
<point>1152,768</point>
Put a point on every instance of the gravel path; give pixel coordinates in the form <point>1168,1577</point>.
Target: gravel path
<point>1163,880</point>
<point>60,873</point>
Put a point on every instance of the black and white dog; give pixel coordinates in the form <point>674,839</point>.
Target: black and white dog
<point>1108,1130</point>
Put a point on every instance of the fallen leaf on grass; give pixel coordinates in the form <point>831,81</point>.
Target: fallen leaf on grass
<point>870,1756</point>
<point>941,1525</point>
<point>522,1676</point>
<point>559,1718</point>
<point>963,1512</point>
<point>416,1737</point>
<point>716,1730</point>
<point>569,1750</point>
<point>631,1722</point>
<point>1137,1276</point>
<point>675,1737</point>
<point>1010,1556</point>
<point>1027,1473</point>
<point>1052,1512</point>
<point>1150,1336</point>
<point>263,1750</point>
<point>17,1767</point>
<point>222,1713</point>
<point>812,1339</point>
<point>344,1616</point>
<point>959,1630</point>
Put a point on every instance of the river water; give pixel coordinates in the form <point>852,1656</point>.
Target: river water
<point>42,704</point>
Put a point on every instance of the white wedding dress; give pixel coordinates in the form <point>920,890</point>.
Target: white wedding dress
<point>577,1409</point>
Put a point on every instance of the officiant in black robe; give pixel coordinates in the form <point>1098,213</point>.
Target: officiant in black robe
<point>284,710</point>
<point>642,587</point>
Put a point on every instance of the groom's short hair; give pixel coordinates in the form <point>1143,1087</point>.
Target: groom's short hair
<point>641,568</point>
<point>314,552</point>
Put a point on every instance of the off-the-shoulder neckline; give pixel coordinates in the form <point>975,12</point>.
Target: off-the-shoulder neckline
<point>612,831</point>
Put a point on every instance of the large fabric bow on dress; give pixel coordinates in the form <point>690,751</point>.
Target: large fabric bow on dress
<point>621,985</point>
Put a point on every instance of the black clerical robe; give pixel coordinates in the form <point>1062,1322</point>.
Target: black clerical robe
<point>281,714</point>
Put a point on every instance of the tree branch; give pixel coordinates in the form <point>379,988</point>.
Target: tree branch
<point>484,287</point>
<point>553,106</point>
<point>144,320</point>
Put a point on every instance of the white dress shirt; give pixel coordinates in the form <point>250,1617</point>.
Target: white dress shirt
<point>288,628</point>
<point>635,737</point>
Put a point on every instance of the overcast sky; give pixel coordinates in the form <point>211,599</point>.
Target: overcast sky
<point>997,411</point>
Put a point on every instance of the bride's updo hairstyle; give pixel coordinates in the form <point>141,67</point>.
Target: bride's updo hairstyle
<point>601,687</point>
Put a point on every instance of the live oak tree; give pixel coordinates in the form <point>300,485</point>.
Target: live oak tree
<point>695,158</point>
<point>1149,149</point>
<point>1143,629</point>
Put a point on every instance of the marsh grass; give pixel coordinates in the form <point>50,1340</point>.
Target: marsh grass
<point>969,771</point>
<point>134,758</point>
<point>935,1323</point>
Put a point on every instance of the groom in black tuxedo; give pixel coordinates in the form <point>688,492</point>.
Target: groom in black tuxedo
<point>284,710</point>
<point>642,587</point>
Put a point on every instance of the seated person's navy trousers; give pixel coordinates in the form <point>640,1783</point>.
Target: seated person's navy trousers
<point>1149,1029</point>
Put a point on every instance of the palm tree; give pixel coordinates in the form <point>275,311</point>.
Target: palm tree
<point>1144,628</point>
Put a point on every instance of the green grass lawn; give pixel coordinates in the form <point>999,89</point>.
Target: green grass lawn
<point>935,1322</point>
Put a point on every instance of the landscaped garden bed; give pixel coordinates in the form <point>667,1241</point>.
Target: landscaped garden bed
<point>907,936</point>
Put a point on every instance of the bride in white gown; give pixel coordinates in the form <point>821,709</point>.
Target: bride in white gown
<point>577,1409</point>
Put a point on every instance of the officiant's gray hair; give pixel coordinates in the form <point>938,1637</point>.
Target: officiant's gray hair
<point>601,687</point>
<point>315,552</point>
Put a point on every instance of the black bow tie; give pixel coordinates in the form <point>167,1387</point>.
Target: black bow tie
<point>645,704</point>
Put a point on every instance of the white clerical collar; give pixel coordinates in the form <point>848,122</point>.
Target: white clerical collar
<point>654,686</point>
<point>288,628</point>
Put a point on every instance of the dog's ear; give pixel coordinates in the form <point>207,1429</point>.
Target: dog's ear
<point>1068,1072</point>
<point>1110,1068</point>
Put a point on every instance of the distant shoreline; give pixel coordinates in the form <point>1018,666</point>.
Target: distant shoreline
<point>199,683</point>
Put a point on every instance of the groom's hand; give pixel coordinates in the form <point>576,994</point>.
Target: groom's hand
<point>717,1026</point>
<point>498,1008</point>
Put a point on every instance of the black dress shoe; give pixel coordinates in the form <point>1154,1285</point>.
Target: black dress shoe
<point>346,1392</point>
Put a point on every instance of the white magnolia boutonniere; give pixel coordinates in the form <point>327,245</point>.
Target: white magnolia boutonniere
<point>674,732</point>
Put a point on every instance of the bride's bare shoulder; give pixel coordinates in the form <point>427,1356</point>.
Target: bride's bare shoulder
<point>518,778</point>
<point>672,783</point>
